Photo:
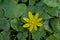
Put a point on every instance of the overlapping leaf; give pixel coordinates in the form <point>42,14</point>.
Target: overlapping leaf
<point>41,10</point>
<point>15,25</point>
<point>17,9</point>
<point>24,0</point>
<point>21,36</point>
<point>55,24</point>
<point>1,13</point>
<point>4,24</point>
<point>12,9</point>
<point>39,34</point>
<point>47,26</point>
<point>4,35</point>
<point>52,3</point>
<point>32,2</point>
<point>55,36</point>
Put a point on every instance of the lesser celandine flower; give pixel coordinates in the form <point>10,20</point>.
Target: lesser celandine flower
<point>33,22</point>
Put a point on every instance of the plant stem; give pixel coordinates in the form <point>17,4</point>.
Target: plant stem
<point>29,35</point>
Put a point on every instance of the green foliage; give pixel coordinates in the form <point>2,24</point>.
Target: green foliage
<point>55,24</point>
<point>53,3</point>
<point>24,0</point>
<point>1,13</point>
<point>22,36</point>
<point>46,26</point>
<point>4,24</point>
<point>32,2</point>
<point>12,10</point>
<point>55,36</point>
<point>11,19</point>
<point>15,25</point>
<point>37,35</point>
<point>4,35</point>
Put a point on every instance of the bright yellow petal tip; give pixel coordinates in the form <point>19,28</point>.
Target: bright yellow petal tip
<point>26,25</point>
<point>35,28</point>
<point>31,28</point>
<point>26,19</point>
<point>30,15</point>
<point>36,15</point>
<point>39,24</point>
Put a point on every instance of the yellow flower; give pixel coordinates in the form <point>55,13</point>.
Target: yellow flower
<point>32,22</point>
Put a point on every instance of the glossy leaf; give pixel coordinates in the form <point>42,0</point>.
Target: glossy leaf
<point>55,24</point>
<point>47,26</point>
<point>52,3</point>
<point>41,9</point>
<point>4,35</point>
<point>32,2</point>
<point>21,36</point>
<point>55,36</point>
<point>4,24</point>
<point>53,11</point>
<point>32,9</point>
<point>15,25</point>
<point>36,35</point>
<point>1,13</point>
<point>12,10</point>
<point>24,0</point>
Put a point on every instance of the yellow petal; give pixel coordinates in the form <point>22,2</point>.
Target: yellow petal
<point>31,28</point>
<point>39,24</point>
<point>40,19</point>
<point>26,19</point>
<point>26,25</point>
<point>30,15</point>
<point>35,28</point>
<point>36,15</point>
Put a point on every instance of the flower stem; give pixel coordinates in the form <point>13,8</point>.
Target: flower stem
<point>29,35</point>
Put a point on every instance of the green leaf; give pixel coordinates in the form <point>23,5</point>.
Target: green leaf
<point>0,1</point>
<point>4,35</point>
<point>53,11</point>
<point>15,25</point>
<point>18,25</point>
<point>13,10</point>
<point>55,24</point>
<point>36,35</point>
<point>47,26</point>
<point>48,11</point>
<point>21,36</point>
<point>41,10</point>
<point>24,0</point>
<point>1,13</point>
<point>52,3</point>
<point>55,36</point>
<point>4,24</point>
<point>43,14</point>
<point>59,4</point>
<point>51,38</point>
<point>32,2</point>
<point>32,9</point>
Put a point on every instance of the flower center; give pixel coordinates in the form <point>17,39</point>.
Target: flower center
<point>33,22</point>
